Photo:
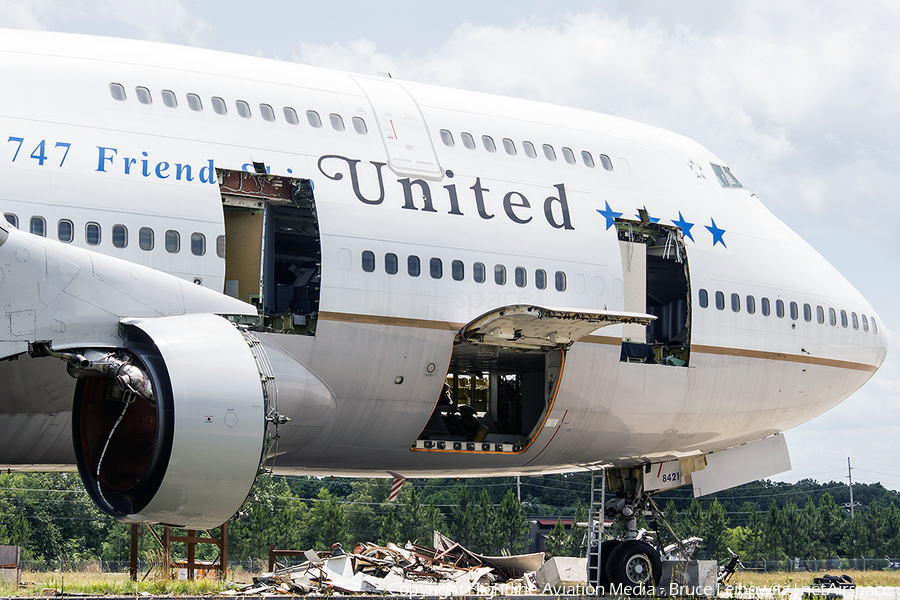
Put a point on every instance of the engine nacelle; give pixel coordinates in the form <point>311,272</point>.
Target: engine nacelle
<point>185,447</point>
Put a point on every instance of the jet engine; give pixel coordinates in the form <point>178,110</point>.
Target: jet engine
<point>174,426</point>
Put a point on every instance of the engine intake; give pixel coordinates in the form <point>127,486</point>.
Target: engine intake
<point>171,429</point>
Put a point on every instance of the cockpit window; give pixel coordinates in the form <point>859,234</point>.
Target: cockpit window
<point>726,179</point>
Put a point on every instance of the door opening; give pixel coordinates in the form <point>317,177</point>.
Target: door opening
<point>273,253</point>
<point>657,281</point>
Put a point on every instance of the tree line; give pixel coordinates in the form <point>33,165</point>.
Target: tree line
<point>52,518</point>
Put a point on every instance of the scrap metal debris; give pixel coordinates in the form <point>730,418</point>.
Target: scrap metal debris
<point>448,569</point>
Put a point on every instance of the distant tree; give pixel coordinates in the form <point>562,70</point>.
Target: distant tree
<point>830,521</point>
<point>485,535</point>
<point>463,515</point>
<point>558,541</point>
<point>328,520</point>
<point>715,530</point>
<point>512,524</point>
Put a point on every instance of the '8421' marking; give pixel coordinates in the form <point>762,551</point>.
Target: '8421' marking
<point>40,152</point>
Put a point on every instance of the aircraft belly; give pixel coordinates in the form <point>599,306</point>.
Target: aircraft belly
<point>606,411</point>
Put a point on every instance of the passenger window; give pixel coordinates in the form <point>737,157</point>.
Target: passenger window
<point>447,138</point>
<point>437,268</point>
<point>735,303</point>
<point>832,317</point>
<point>220,246</point>
<point>499,274</point>
<point>391,264</point>
<point>12,219</point>
<point>703,297</point>
<point>290,115</point>
<point>267,112</point>
<point>854,320</point>
<point>413,266</point>
<point>751,305</point>
<point>198,244</point>
<point>468,140</point>
<point>92,234</point>
<point>568,155</point>
<point>219,106</point>
<point>779,309</point>
<point>488,142</point>
<point>173,242</point>
<point>312,117</point>
<point>820,315</point>
<point>549,152</point>
<point>509,146</point>
<point>843,318</point>
<point>337,123</point>
<point>478,272</point>
<point>38,226</point>
<point>169,99</point>
<point>865,323</point>
<point>606,162</point>
<point>119,236</point>
<point>65,231</point>
<point>765,307</point>
<point>359,125</point>
<point>587,158</point>
<point>368,261</point>
<point>795,311</point>
<point>560,281</point>
<point>145,238</point>
<point>243,108</point>
<point>117,91</point>
<point>521,277</point>
<point>530,152</point>
<point>807,313</point>
<point>458,270</point>
<point>143,95</point>
<point>194,102</point>
<point>540,279</point>
<point>720,301</point>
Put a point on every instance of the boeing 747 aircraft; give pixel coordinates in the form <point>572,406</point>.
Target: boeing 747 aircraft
<point>211,264</point>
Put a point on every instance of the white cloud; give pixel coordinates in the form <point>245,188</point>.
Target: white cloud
<point>160,20</point>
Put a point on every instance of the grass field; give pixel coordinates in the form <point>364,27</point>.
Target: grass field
<point>802,579</point>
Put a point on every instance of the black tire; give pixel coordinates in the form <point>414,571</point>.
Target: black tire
<point>634,564</point>
<point>606,548</point>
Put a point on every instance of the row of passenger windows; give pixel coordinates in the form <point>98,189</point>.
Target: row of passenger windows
<point>765,308</point>
<point>243,108</point>
<point>509,146</point>
<point>93,235</point>
<point>458,271</point>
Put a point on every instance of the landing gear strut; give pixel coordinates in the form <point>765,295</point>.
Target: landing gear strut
<point>630,563</point>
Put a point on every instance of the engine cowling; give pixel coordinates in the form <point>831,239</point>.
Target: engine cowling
<point>183,446</point>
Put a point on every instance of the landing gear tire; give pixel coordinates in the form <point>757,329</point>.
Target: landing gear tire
<point>634,564</point>
<point>606,548</point>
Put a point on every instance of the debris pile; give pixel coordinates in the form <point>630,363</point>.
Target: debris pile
<point>448,569</point>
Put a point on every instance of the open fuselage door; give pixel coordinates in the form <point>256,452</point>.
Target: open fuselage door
<point>503,376</point>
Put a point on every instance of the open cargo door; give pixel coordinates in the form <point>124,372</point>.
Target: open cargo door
<point>503,376</point>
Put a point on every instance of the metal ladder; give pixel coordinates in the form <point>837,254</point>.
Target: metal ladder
<point>596,519</point>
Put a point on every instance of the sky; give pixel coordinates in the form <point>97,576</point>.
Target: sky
<point>801,99</point>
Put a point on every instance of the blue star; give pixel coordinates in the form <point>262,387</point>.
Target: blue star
<point>652,219</point>
<point>685,227</point>
<point>716,233</point>
<point>610,215</point>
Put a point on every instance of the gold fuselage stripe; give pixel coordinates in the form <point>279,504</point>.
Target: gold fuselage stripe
<point>605,340</point>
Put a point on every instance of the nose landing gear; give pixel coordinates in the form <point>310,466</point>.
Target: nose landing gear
<point>631,565</point>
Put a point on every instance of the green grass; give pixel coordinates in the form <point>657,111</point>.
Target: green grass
<point>110,583</point>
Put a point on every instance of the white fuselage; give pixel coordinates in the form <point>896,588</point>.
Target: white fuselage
<point>75,154</point>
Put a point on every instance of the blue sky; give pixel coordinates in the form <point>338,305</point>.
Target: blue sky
<point>800,98</point>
